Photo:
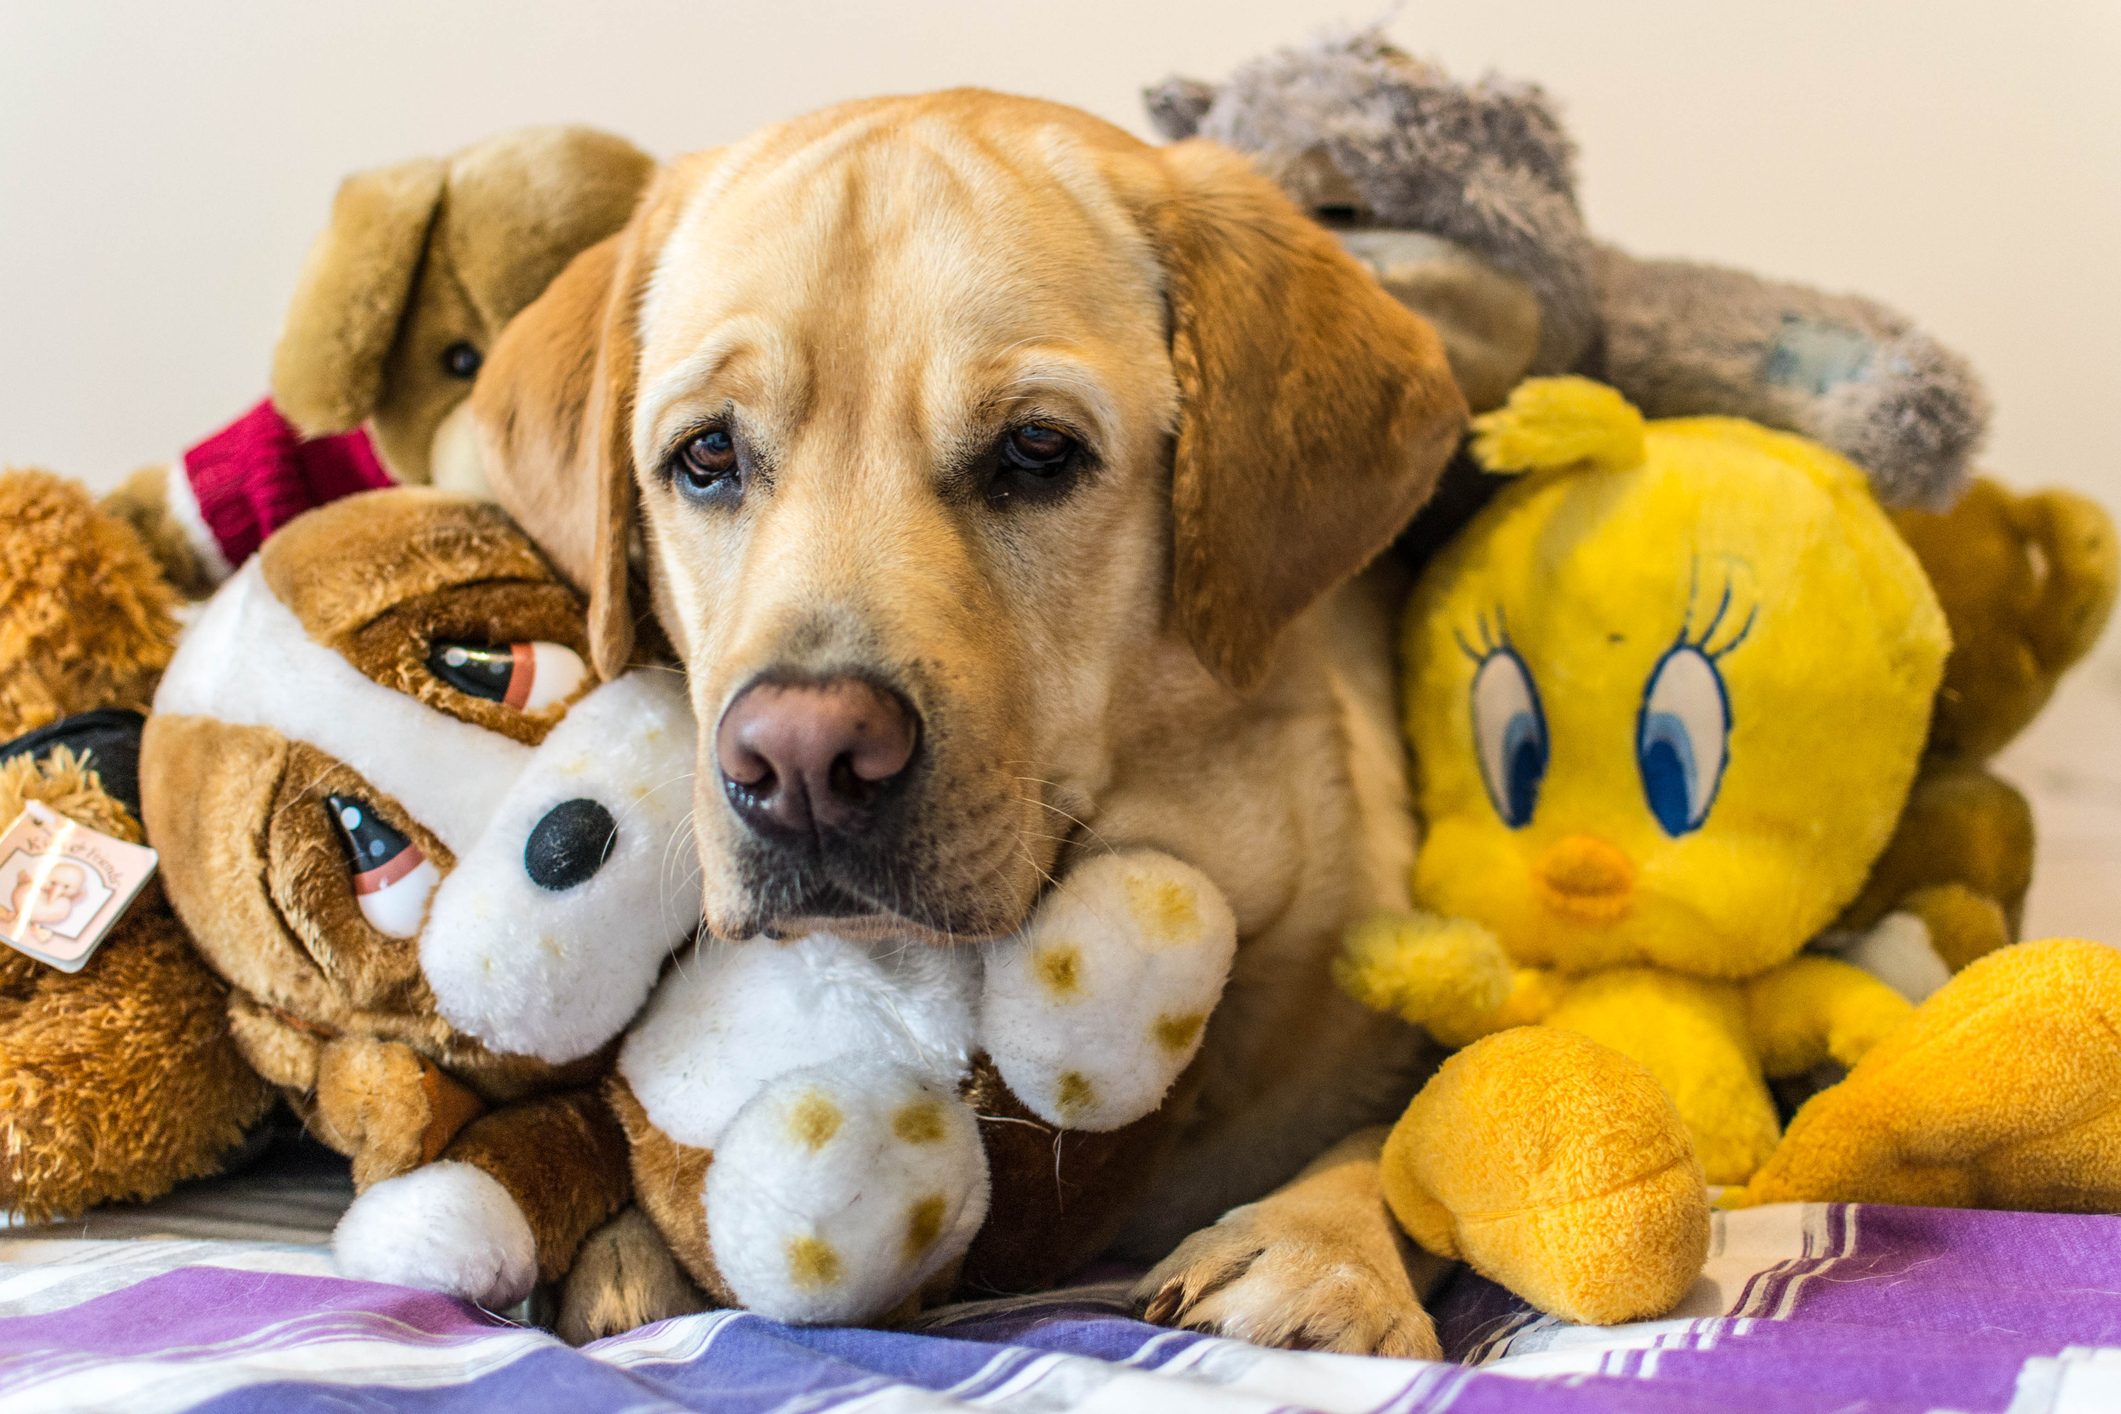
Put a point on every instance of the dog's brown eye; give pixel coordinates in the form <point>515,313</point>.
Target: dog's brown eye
<point>1034,464</point>
<point>707,463</point>
<point>1038,449</point>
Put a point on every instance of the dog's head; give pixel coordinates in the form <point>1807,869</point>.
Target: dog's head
<point>963,436</point>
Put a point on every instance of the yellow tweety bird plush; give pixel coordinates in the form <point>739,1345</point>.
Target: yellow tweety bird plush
<point>1666,695</point>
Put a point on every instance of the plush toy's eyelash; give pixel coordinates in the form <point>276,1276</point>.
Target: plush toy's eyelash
<point>1491,642</point>
<point>1686,638</point>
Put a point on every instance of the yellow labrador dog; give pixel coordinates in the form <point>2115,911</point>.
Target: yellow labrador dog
<point>1003,484</point>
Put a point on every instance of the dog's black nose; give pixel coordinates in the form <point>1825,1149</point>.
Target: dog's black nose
<point>569,845</point>
<point>813,756</point>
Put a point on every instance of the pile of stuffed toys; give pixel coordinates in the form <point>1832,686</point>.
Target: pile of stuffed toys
<point>1714,633</point>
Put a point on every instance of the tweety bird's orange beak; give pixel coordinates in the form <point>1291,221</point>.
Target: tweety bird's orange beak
<point>1586,879</point>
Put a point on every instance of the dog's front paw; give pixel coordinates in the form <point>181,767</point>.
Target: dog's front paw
<point>1278,1278</point>
<point>446,1227</point>
<point>624,1276</point>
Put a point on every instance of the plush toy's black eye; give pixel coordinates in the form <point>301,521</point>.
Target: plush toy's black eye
<point>706,465</point>
<point>1034,462</point>
<point>461,360</point>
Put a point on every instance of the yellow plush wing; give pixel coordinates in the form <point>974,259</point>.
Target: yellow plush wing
<point>1424,967</point>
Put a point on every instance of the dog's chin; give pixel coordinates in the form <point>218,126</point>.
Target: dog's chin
<point>799,903</point>
<point>857,924</point>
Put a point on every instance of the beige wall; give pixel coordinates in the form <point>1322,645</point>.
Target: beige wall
<point>163,166</point>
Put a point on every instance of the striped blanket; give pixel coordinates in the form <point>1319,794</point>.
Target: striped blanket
<point>1802,1308</point>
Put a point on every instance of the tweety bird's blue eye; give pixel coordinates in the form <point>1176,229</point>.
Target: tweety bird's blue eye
<point>1682,738</point>
<point>1510,733</point>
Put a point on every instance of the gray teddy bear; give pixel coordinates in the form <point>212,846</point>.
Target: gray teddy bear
<point>1462,198</point>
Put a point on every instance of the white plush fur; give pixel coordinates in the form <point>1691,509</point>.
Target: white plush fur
<point>839,1189</point>
<point>1899,953</point>
<point>446,1227</point>
<point>1094,1008</point>
<point>755,1049</point>
<point>734,1016</point>
<point>183,504</point>
<point>556,974</point>
<point>453,460</point>
<point>248,661</point>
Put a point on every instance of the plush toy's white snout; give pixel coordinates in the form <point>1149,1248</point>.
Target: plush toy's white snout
<point>547,936</point>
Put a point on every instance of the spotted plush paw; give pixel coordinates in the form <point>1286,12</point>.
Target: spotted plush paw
<point>1096,1006</point>
<point>446,1227</point>
<point>837,1191</point>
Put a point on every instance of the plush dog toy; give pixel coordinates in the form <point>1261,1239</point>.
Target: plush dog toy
<point>421,267</point>
<point>1463,199</point>
<point>433,860</point>
<point>808,1116</point>
<point>121,1078</point>
<point>1668,693</point>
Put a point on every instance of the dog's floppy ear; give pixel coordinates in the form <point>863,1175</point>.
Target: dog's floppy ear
<point>1315,411</point>
<point>553,408</point>
<point>327,372</point>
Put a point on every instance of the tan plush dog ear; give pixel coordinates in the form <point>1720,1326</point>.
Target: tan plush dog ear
<point>1316,412</point>
<point>327,372</point>
<point>553,408</point>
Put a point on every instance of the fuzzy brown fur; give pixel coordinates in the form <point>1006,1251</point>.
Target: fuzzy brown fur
<point>142,502</point>
<point>84,611</point>
<point>669,1178</point>
<point>562,1158</point>
<point>2027,582</point>
<point>624,1277</point>
<point>120,1079</point>
<point>430,254</point>
<point>1059,1197</point>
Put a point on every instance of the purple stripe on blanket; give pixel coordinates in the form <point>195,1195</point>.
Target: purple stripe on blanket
<point>2046,1276</point>
<point>1893,1311</point>
<point>198,1306</point>
<point>555,1379</point>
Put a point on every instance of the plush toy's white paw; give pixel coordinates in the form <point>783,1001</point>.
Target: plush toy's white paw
<point>1093,1009</point>
<point>446,1227</point>
<point>837,1190</point>
<point>1899,953</point>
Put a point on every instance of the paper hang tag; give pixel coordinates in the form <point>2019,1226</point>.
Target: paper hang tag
<point>63,886</point>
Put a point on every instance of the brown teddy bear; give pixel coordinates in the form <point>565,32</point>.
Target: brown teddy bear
<point>121,1078</point>
<point>2027,582</point>
<point>428,852</point>
<point>421,267</point>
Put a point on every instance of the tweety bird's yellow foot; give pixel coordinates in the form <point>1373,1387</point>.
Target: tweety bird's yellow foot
<point>1557,1167</point>
<point>2003,1090</point>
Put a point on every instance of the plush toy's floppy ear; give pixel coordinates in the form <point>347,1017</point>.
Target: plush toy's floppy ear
<point>553,408</point>
<point>327,372</point>
<point>1315,411</point>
